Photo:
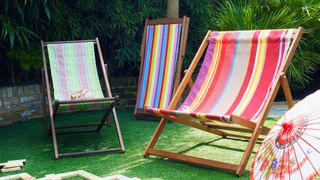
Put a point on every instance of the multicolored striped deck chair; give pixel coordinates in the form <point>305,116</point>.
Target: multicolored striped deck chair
<point>162,51</point>
<point>73,76</point>
<point>238,80</point>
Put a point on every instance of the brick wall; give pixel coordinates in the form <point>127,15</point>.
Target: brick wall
<point>126,89</point>
<point>25,102</point>
<point>19,103</point>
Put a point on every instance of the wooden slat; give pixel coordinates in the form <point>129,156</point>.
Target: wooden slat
<point>240,136</point>
<point>247,123</point>
<point>86,100</point>
<point>10,169</point>
<point>286,90</point>
<point>294,34</point>
<point>63,42</point>
<point>199,126</point>
<point>182,48</point>
<point>15,163</point>
<point>231,128</point>
<point>190,83</point>
<point>165,21</point>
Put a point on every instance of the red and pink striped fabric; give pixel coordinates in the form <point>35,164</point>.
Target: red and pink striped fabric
<point>237,75</point>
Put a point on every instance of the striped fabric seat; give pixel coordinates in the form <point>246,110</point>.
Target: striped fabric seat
<point>160,58</point>
<point>237,76</point>
<point>73,68</point>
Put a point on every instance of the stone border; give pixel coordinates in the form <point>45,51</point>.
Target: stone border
<point>21,176</point>
<point>81,173</point>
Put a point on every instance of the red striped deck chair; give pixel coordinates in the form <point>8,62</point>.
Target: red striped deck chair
<point>71,72</point>
<point>240,75</point>
<point>162,51</point>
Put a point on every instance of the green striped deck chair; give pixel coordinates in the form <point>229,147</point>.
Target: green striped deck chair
<point>71,71</point>
<point>162,51</point>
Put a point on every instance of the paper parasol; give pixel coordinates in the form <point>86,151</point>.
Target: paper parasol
<point>291,150</point>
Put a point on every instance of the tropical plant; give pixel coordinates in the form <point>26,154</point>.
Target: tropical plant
<point>119,26</point>
<point>200,13</point>
<point>117,23</point>
<point>273,14</point>
<point>21,20</point>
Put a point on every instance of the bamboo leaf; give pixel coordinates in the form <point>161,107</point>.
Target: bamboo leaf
<point>46,9</point>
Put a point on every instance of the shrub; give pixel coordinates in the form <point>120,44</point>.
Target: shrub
<point>273,14</point>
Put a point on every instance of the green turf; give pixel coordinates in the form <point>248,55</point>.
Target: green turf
<point>26,140</point>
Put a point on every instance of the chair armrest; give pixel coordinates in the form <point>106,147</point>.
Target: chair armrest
<point>87,100</point>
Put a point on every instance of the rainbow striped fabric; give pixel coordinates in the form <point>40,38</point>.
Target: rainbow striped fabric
<point>237,75</point>
<point>73,68</point>
<point>161,52</point>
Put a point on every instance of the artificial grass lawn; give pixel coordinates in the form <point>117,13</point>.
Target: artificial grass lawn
<point>26,140</point>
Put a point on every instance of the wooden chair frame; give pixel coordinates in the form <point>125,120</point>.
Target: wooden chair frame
<point>140,113</point>
<point>47,97</point>
<point>245,125</point>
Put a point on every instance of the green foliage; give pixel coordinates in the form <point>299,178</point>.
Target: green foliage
<point>200,13</point>
<point>119,25</point>
<point>276,14</point>
<point>21,24</point>
<point>28,58</point>
<point>20,21</point>
<point>13,32</point>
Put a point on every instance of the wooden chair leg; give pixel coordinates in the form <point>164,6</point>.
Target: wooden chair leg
<point>54,138</point>
<point>249,149</point>
<point>44,108</point>
<point>116,122</point>
<point>44,113</point>
<point>155,136</point>
<point>286,90</point>
<point>108,121</point>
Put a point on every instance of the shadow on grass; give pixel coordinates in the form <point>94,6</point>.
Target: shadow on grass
<point>209,143</point>
<point>26,140</point>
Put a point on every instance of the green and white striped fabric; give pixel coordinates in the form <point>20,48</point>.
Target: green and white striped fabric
<point>73,69</point>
